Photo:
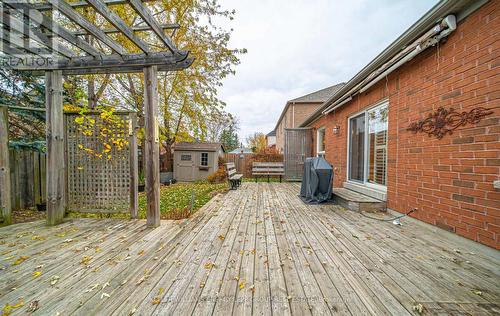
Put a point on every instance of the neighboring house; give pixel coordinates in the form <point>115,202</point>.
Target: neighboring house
<point>419,126</point>
<point>241,151</point>
<point>271,139</point>
<point>297,110</point>
<point>195,161</point>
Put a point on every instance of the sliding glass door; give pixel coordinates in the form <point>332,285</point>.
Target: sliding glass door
<point>357,148</point>
<point>368,146</point>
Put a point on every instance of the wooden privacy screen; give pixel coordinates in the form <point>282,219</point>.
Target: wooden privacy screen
<point>99,176</point>
<point>27,178</point>
<point>298,147</point>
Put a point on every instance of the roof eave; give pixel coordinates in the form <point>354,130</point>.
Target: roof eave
<point>433,16</point>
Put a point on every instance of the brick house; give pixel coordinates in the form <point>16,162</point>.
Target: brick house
<point>298,109</point>
<point>375,134</point>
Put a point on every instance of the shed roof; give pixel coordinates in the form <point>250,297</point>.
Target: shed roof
<point>271,133</point>
<point>197,146</point>
<point>461,8</point>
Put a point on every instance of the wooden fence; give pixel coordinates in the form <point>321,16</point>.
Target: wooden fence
<point>27,178</point>
<point>243,162</point>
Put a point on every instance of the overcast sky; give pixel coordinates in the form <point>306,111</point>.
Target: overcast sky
<point>299,46</point>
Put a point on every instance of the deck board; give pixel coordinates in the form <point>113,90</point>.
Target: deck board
<point>255,250</point>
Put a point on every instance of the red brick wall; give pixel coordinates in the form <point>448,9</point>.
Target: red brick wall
<point>450,180</point>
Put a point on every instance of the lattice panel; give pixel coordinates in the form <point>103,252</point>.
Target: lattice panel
<point>97,184</point>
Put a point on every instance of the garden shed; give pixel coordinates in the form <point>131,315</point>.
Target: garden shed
<point>195,161</point>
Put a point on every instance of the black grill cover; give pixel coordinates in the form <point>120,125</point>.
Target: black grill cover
<point>316,181</point>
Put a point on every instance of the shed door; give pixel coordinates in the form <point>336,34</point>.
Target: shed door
<point>185,166</point>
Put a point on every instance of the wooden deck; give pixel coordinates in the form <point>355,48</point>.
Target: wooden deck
<point>256,250</point>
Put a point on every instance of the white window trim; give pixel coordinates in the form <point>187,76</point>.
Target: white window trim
<point>379,187</point>
<point>201,159</point>
<point>318,152</point>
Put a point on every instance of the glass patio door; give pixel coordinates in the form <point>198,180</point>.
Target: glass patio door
<point>368,147</point>
<point>357,148</point>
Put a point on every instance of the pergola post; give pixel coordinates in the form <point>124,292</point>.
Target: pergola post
<point>55,147</point>
<point>134,167</point>
<point>152,144</point>
<point>5,206</point>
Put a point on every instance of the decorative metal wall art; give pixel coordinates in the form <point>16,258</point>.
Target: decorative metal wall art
<point>445,121</point>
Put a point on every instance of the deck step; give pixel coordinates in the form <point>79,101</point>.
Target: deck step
<point>356,201</point>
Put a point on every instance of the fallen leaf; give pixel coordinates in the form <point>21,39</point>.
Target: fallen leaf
<point>86,260</point>
<point>209,265</point>
<point>157,299</point>
<point>132,312</point>
<point>103,295</point>
<point>32,306</point>
<point>7,309</point>
<point>20,260</point>
<point>222,237</point>
<point>242,285</point>
<point>140,253</point>
<point>419,308</point>
<point>91,288</point>
<point>54,279</point>
<point>36,274</point>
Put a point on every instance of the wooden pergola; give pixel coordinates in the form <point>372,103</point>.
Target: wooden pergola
<point>32,39</point>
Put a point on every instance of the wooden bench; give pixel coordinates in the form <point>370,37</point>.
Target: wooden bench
<point>233,177</point>
<point>268,169</point>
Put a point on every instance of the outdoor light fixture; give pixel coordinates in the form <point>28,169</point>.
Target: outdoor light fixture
<point>336,129</point>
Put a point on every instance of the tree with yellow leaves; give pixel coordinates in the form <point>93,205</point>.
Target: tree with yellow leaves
<point>257,142</point>
<point>188,99</point>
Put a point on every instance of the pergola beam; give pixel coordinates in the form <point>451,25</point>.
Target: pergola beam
<point>129,69</point>
<point>79,19</point>
<point>21,43</point>
<point>41,19</point>
<point>81,4</point>
<point>12,51</point>
<point>117,22</point>
<point>34,34</point>
<point>150,20</point>
<point>141,28</point>
<point>106,62</point>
